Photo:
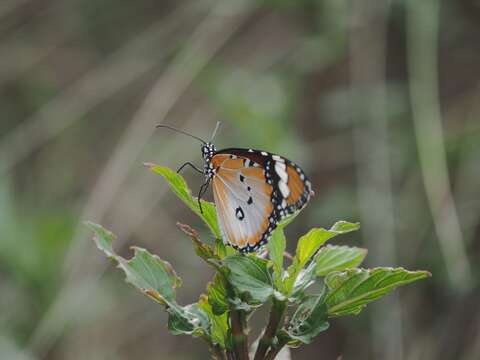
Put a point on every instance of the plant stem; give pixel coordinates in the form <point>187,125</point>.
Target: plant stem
<point>217,353</point>
<point>274,351</point>
<point>239,333</point>
<point>238,325</point>
<point>276,317</point>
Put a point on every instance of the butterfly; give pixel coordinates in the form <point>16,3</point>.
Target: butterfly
<point>253,191</point>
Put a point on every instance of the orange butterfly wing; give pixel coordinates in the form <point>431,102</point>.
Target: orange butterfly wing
<point>243,200</point>
<point>253,192</point>
<point>296,185</point>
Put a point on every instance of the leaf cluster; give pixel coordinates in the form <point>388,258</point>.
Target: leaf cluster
<point>243,283</point>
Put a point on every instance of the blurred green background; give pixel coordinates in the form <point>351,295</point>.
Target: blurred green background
<point>378,101</point>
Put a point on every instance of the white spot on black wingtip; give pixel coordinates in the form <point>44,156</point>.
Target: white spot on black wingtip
<point>284,189</point>
<point>281,170</point>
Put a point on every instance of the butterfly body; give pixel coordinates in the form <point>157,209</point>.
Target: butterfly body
<point>253,192</point>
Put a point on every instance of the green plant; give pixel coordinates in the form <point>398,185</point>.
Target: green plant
<point>243,283</point>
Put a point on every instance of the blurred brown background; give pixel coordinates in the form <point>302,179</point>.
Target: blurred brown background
<point>377,100</point>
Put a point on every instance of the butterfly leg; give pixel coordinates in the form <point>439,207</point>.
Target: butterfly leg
<point>191,165</point>
<point>203,190</point>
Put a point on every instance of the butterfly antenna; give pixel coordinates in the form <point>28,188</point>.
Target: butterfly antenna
<point>181,132</point>
<point>215,130</point>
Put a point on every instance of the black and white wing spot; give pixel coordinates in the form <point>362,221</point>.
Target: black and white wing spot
<point>239,213</point>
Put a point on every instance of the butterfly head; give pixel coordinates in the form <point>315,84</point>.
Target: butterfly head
<point>208,150</point>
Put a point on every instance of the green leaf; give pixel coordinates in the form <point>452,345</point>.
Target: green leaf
<point>309,320</point>
<point>218,323</point>
<point>250,275</point>
<point>304,279</point>
<point>180,188</point>
<point>351,290</point>
<point>188,320</point>
<point>103,238</point>
<point>329,259</point>
<point>156,279</point>
<point>222,250</point>
<point>276,248</point>
<point>343,227</point>
<point>217,295</point>
<point>309,244</point>
<point>336,258</point>
<point>148,273</point>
